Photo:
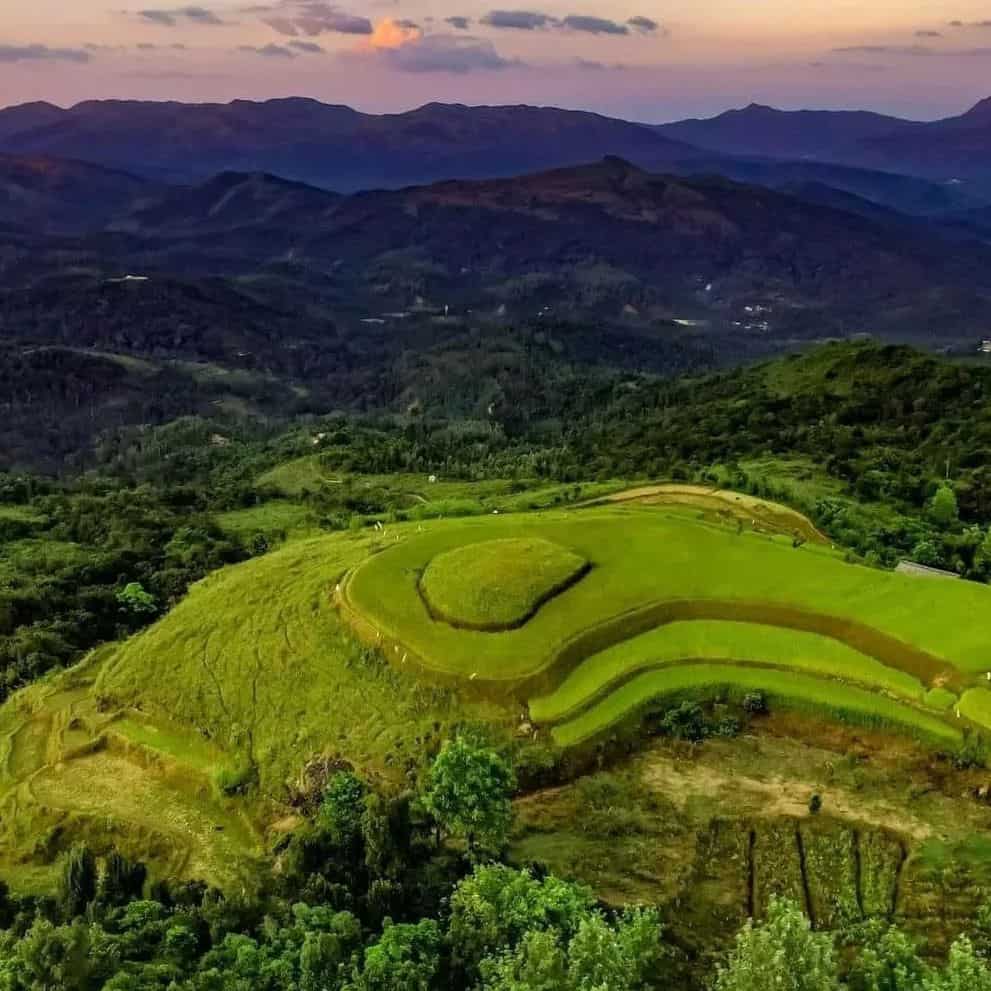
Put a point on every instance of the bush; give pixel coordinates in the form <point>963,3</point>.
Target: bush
<point>237,779</point>
<point>755,703</point>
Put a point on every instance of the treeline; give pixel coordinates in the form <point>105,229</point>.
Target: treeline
<point>73,558</point>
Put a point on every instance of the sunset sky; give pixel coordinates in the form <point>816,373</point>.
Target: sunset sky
<point>651,60</point>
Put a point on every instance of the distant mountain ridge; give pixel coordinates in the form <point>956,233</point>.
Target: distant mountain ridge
<point>342,149</point>
<point>767,132</point>
<point>957,147</point>
<point>52,195</point>
<point>331,146</point>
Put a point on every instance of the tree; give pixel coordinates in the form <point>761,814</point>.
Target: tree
<point>495,908</point>
<point>604,957</point>
<point>386,830</point>
<point>599,956</point>
<point>342,808</point>
<point>133,599</point>
<point>468,793</point>
<point>943,507</point>
<point>406,957</point>
<point>888,962</point>
<point>537,964</point>
<point>77,883</point>
<point>780,954</point>
<point>964,971</point>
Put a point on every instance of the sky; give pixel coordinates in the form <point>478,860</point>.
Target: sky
<point>650,60</point>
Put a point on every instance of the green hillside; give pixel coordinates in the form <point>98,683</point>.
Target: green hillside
<point>256,660</point>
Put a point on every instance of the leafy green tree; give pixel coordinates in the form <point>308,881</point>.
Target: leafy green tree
<point>342,808</point>
<point>604,957</point>
<point>46,957</point>
<point>780,954</point>
<point>537,964</point>
<point>964,971</point>
<point>943,507</point>
<point>888,962</point>
<point>599,956</point>
<point>406,957</point>
<point>387,832</point>
<point>77,880</point>
<point>494,908</point>
<point>468,793</point>
<point>134,600</point>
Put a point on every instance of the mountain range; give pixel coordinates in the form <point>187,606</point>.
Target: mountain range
<point>342,149</point>
<point>168,232</point>
<point>608,241</point>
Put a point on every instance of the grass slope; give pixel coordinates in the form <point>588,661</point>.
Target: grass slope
<point>726,641</point>
<point>256,659</point>
<point>498,584</point>
<point>785,687</point>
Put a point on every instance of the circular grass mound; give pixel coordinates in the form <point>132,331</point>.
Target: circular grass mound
<point>498,584</point>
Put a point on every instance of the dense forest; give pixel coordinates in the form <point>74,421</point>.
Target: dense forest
<point>366,897</point>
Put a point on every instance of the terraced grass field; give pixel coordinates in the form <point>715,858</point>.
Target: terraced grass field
<point>741,644</point>
<point>642,559</point>
<point>790,688</point>
<point>673,604</point>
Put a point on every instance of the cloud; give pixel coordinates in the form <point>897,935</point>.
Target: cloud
<point>885,50</point>
<point>461,23</point>
<point>922,51</point>
<point>970,24</point>
<point>535,20</point>
<point>42,53</point>
<point>312,18</point>
<point>519,20</point>
<point>447,53</point>
<point>391,34</point>
<point>928,34</point>
<point>645,25</point>
<point>171,17</point>
<point>593,25</point>
<point>403,46</point>
<point>307,47</point>
<point>268,51</point>
<point>591,65</point>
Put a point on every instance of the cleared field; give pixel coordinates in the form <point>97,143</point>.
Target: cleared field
<point>273,519</point>
<point>714,640</point>
<point>792,689</point>
<point>759,514</point>
<point>498,584</point>
<point>649,567</point>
